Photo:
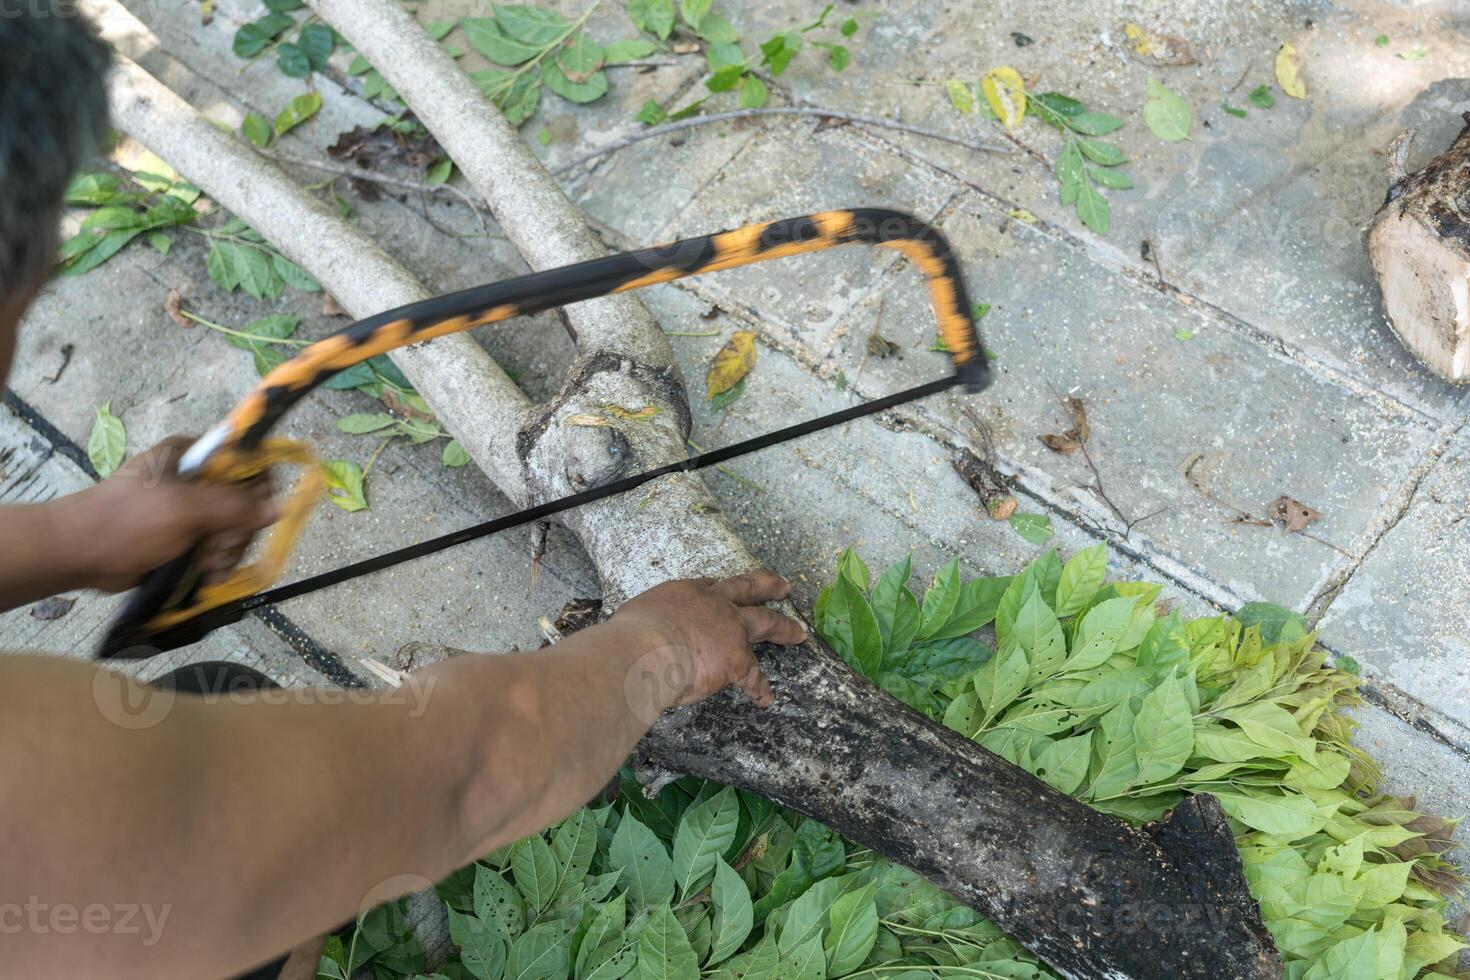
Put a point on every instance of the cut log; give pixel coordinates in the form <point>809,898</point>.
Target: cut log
<point>1093,896</point>
<point>1419,243</point>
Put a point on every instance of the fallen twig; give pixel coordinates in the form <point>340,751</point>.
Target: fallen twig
<point>714,117</point>
<point>358,173</point>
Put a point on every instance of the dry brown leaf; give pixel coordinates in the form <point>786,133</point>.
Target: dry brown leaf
<point>732,363</point>
<point>1074,438</point>
<point>1159,50</point>
<point>330,306</point>
<point>588,420</point>
<point>1293,515</point>
<point>400,406</point>
<point>173,307</point>
<point>685,47</point>
<point>880,346</point>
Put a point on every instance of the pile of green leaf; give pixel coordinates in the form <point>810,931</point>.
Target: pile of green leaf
<point>1092,688</point>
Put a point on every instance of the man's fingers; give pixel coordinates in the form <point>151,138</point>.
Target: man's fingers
<point>765,625</point>
<point>218,507</point>
<point>756,687</point>
<point>753,588</point>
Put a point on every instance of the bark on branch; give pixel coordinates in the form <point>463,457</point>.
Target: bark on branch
<point>1091,895</point>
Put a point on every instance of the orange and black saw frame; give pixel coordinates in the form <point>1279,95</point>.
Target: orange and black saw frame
<point>172,605</point>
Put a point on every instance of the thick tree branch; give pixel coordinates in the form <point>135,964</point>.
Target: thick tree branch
<point>463,384</point>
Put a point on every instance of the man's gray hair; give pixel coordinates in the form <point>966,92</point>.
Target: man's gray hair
<point>53,110</point>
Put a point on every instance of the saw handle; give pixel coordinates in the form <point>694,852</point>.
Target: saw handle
<point>172,607</point>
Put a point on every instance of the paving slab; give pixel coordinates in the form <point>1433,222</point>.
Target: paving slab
<point>1404,612</point>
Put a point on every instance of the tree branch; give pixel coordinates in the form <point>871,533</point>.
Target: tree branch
<point>716,117</point>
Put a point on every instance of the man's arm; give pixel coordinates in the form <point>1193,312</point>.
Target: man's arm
<point>110,535</point>
<point>239,829</point>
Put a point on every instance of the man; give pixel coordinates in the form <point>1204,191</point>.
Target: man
<point>236,829</point>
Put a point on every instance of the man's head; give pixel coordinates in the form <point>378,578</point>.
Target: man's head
<point>53,109</point>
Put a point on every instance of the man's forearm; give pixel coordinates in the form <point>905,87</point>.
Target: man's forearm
<point>38,557</point>
<point>268,822</point>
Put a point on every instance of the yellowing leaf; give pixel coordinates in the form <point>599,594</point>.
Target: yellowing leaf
<point>959,95</point>
<point>1005,93</point>
<point>1158,49</point>
<point>588,420</point>
<point>731,364</point>
<point>631,414</point>
<point>1021,214</point>
<point>1289,72</point>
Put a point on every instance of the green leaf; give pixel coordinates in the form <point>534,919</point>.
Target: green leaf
<point>255,129</point>
<point>1288,814</point>
<point>231,265</point>
<point>573,846</point>
<point>1094,211</point>
<point>1278,624</point>
<point>531,25</point>
<point>535,870</point>
<point>1082,577</point>
<point>646,869</point>
<point>1062,105</point>
<point>652,114</point>
<point>961,95</point>
<point>807,961</point>
<point>976,605</point>
<point>1237,113</point>
<point>628,50</point>
<point>1040,636</point>
<point>344,484</point>
<point>1163,732</point>
<point>108,443</point>
<point>297,111</point>
<point>104,248</point>
<point>253,38</point>
<point>886,592</point>
<point>852,628</point>
<point>753,92</point>
<point>1102,153</point>
<point>1414,54</point>
<point>364,422</point>
<point>1035,528</point>
<point>454,454</point>
<point>439,171</point>
<point>486,37</point>
<point>778,51</point>
<point>849,27</point>
<point>940,599</point>
<point>838,56</point>
<point>602,954</point>
<point>1063,763</point>
<point>1093,123</point>
<point>589,90</point>
<point>580,57</point>
<point>733,917</point>
<point>292,60</point>
<point>293,275</point>
<point>481,949</point>
<point>1261,97</point>
<point>654,16</point>
<point>1000,681</point>
<point>664,952</point>
<point>1381,40</point>
<point>693,11</point>
<point>283,6</point>
<point>1099,632</point>
<point>853,929</point>
<point>160,242</point>
<point>93,189</point>
<point>542,952</point>
<point>705,832</point>
<point>1168,116</point>
<point>497,902</point>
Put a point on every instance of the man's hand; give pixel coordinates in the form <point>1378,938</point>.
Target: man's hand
<point>145,515</point>
<point>706,627</point>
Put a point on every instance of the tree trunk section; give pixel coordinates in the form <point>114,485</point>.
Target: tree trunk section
<point>1419,243</point>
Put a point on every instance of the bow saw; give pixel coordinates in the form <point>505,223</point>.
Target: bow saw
<point>172,607</point>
